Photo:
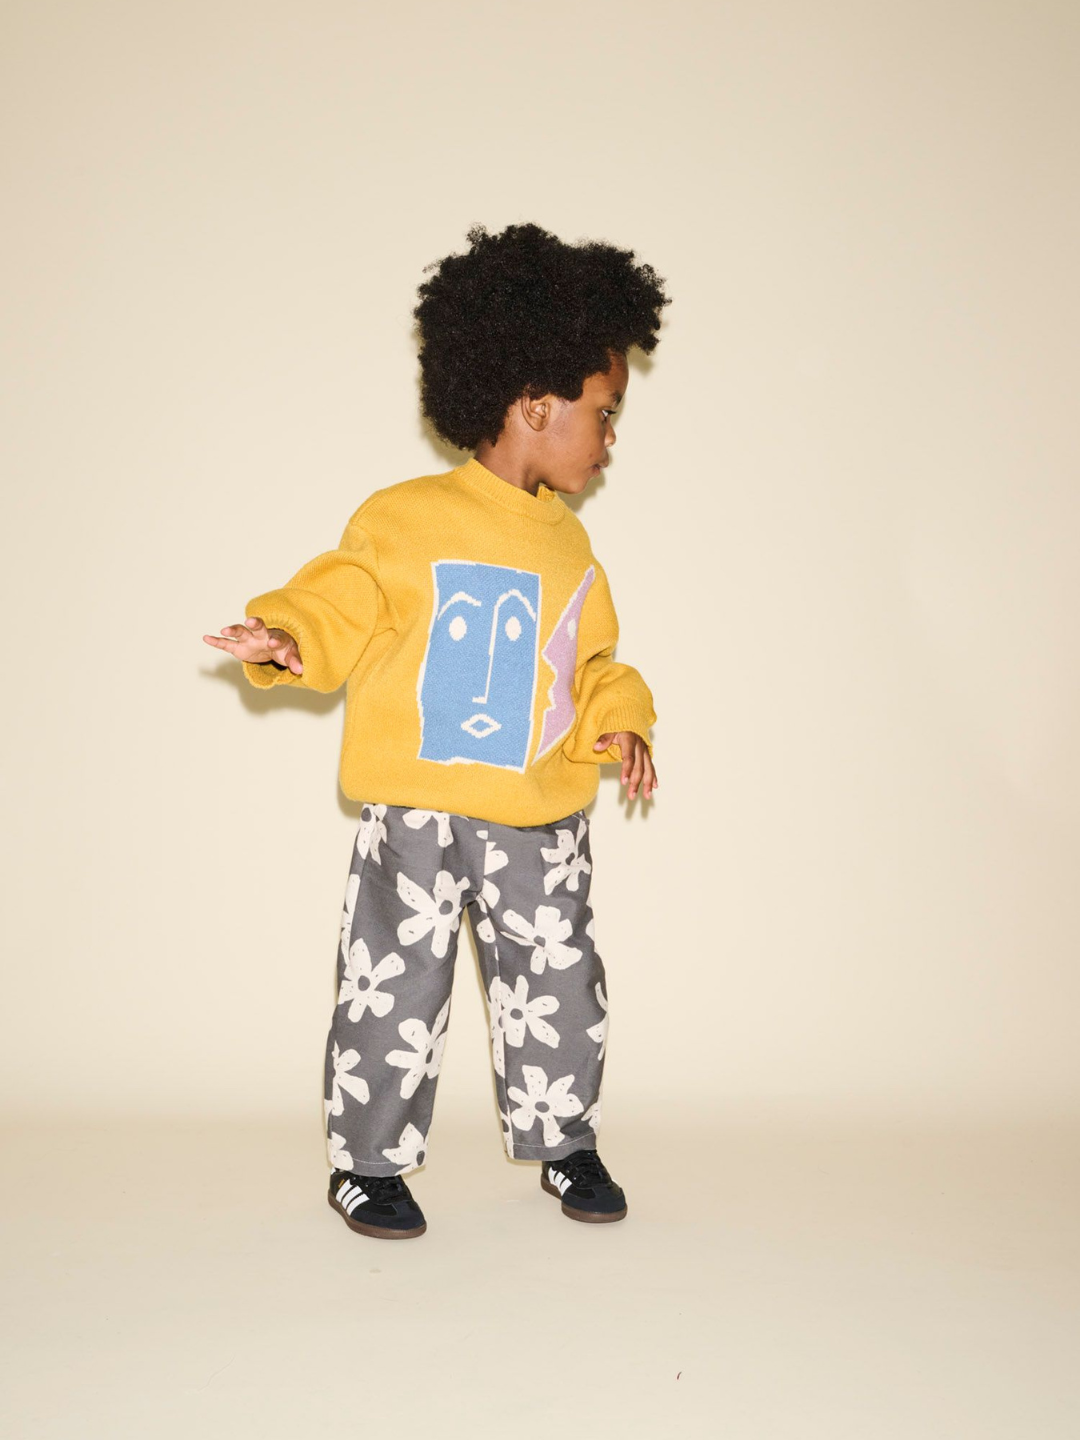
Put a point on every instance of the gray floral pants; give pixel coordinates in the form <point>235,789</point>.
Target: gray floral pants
<point>526,890</point>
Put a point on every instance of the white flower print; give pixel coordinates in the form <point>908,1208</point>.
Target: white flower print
<point>592,1115</point>
<point>545,934</point>
<point>416,818</point>
<point>508,1134</point>
<point>371,831</point>
<point>425,1057</point>
<point>494,860</point>
<point>598,1032</point>
<point>486,930</point>
<point>340,1158</point>
<point>544,1102</point>
<point>512,1012</point>
<point>589,928</point>
<point>411,1148</point>
<point>569,864</point>
<point>429,913</point>
<point>352,889</point>
<point>360,984</point>
<point>355,1085</point>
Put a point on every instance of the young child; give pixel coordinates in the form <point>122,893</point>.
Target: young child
<point>475,631</point>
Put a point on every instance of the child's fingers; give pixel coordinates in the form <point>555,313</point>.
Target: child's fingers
<point>239,632</point>
<point>239,640</point>
<point>228,642</point>
<point>236,648</point>
<point>285,652</point>
<point>650,774</point>
<point>636,772</point>
<point>625,742</point>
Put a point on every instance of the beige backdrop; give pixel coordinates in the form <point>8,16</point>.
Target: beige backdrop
<point>840,525</point>
<point>841,528</point>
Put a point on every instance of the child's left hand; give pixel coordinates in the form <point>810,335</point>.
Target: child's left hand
<point>636,760</point>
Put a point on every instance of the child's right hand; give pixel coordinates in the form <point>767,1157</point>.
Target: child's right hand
<point>254,642</point>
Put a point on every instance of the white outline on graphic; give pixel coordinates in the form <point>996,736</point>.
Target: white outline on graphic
<point>437,611</point>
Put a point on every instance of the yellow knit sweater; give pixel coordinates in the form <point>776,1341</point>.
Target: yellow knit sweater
<point>474,629</point>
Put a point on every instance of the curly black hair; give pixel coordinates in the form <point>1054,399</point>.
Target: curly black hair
<point>523,312</point>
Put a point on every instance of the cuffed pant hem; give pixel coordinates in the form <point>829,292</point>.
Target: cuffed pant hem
<point>379,1167</point>
<point>553,1152</point>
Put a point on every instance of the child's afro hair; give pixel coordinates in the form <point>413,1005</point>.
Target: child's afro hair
<point>524,312</point>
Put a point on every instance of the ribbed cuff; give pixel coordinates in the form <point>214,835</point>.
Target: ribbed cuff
<point>264,674</point>
<point>627,718</point>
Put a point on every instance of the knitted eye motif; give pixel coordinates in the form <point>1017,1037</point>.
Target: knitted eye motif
<point>513,628</point>
<point>458,627</point>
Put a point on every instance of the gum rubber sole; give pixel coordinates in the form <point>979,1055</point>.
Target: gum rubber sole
<point>591,1217</point>
<point>375,1231</point>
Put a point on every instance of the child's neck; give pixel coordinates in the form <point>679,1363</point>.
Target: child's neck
<point>511,464</point>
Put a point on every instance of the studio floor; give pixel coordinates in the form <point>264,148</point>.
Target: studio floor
<point>858,1281</point>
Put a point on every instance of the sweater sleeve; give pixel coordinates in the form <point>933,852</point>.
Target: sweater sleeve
<point>329,607</point>
<point>607,694</point>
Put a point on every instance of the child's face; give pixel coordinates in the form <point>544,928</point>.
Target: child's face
<point>575,440</point>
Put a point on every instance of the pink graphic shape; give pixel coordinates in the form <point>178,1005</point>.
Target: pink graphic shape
<point>561,654</point>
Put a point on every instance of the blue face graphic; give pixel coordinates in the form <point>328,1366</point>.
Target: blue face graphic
<point>478,678</point>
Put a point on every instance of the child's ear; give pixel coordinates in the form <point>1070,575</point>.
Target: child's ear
<point>536,410</point>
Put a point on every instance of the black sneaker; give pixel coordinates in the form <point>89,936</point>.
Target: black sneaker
<point>389,1211</point>
<point>586,1189</point>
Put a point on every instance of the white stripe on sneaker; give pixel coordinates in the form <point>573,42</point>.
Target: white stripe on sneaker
<point>346,1191</point>
<point>359,1199</point>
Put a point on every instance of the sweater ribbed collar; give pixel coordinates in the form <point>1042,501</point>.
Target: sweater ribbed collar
<point>546,505</point>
